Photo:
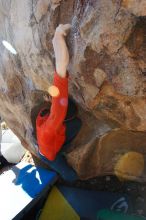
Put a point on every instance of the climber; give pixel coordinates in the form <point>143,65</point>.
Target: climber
<point>58,124</point>
<point>3,161</point>
<point>11,149</point>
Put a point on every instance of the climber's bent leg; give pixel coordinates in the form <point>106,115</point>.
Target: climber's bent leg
<point>60,166</point>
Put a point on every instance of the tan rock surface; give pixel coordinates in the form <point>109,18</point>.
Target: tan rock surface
<point>107,68</point>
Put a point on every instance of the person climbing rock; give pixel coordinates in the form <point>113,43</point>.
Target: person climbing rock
<point>11,149</point>
<point>57,123</point>
<point>3,161</point>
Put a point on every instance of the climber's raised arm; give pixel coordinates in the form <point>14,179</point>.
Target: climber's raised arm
<point>51,129</point>
<point>60,102</point>
<point>60,49</point>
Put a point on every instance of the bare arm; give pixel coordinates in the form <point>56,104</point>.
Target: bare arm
<point>60,49</point>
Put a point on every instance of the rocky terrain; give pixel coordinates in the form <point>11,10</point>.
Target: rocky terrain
<point>107,69</point>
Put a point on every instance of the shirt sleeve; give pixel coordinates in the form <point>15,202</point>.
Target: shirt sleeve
<point>50,128</point>
<point>59,104</point>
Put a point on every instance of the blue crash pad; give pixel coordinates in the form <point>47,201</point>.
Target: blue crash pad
<point>22,186</point>
<point>87,203</point>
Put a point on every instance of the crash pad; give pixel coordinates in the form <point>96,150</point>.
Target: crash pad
<point>57,208</point>
<point>112,215</point>
<point>21,187</point>
<point>65,203</point>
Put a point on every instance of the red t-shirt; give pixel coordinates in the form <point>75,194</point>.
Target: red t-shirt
<point>50,128</point>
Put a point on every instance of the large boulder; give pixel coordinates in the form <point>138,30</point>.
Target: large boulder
<point>107,68</point>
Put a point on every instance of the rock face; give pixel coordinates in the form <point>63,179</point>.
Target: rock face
<point>107,68</point>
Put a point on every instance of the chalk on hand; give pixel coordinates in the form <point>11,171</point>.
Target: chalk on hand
<point>63,29</point>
